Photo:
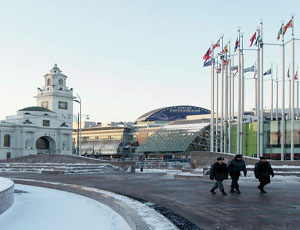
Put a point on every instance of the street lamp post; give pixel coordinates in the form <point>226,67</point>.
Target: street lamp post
<point>79,120</point>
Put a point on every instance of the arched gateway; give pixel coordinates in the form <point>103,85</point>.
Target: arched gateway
<point>45,145</point>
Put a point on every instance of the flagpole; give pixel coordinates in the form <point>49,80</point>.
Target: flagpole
<point>272,92</point>
<point>226,106</point>
<point>258,99</point>
<point>282,101</point>
<point>261,93</point>
<point>290,107</point>
<point>222,99</point>
<point>229,93</point>
<point>232,90</point>
<point>297,95</point>
<point>255,84</point>
<point>276,93</point>
<point>239,97</point>
<point>293,92</point>
<point>243,96</point>
<point>212,106</point>
<point>217,107</point>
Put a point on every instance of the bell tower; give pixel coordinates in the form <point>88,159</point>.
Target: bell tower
<point>56,96</point>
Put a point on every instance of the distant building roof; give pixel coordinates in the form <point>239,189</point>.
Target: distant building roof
<point>36,108</point>
<point>172,113</point>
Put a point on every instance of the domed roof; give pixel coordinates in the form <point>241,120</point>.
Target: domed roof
<point>172,113</point>
<point>55,69</point>
<point>37,109</point>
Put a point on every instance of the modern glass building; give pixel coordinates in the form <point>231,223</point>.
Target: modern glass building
<point>272,139</point>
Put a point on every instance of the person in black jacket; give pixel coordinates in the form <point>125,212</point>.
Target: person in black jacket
<point>262,171</point>
<point>219,172</point>
<point>235,167</point>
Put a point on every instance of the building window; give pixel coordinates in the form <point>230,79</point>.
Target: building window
<point>46,123</point>
<point>63,105</point>
<point>6,140</point>
<point>61,82</point>
<point>49,81</point>
<point>8,155</point>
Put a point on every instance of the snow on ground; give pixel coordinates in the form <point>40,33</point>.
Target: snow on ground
<point>153,219</point>
<point>165,171</point>
<point>5,183</point>
<point>38,208</point>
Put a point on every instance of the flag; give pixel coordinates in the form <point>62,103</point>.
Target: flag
<point>252,39</point>
<point>234,68</point>
<point>207,55</point>
<point>207,63</point>
<point>269,71</point>
<point>249,69</point>
<point>296,75</point>
<point>288,25</point>
<point>288,73</point>
<point>225,50</point>
<point>257,40</point>
<point>216,45</point>
<point>255,73</point>
<point>237,44</point>
<point>279,33</point>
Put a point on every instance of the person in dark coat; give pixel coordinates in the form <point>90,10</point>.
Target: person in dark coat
<point>235,167</point>
<point>263,170</point>
<point>219,172</point>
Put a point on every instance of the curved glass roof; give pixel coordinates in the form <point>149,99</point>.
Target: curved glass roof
<point>172,113</point>
<point>175,138</point>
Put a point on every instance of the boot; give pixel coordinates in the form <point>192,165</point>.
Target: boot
<point>238,191</point>
<point>223,192</point>
<point>232,190</point>
<point>263,191</point>
<point>213,191</point>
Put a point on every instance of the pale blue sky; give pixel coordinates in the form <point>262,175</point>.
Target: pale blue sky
<point>127,57</point>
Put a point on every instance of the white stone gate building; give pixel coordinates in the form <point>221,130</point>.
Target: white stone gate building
<point>45,128</point>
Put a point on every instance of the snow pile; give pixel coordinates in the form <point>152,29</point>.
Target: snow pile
<point>5,184</point>
<point>38,208</point>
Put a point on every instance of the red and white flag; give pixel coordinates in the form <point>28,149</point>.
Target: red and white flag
<point>252,39</point>
<point>216,45</point>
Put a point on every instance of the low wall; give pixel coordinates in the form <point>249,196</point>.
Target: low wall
<point>6,194</point>
<point>200,159</point>
<point>71,159</point>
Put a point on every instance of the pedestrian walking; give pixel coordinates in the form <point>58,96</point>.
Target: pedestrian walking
<point>219,172</point>
<point>263,170</point>
<point>235,167</point>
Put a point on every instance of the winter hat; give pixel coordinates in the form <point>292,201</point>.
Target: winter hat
<point>262,158</point>
<point>239,155</point>
<point>220,158</point>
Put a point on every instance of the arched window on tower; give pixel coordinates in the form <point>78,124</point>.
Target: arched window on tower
<point>61,82</point>
<point>48,81</point>
<point>6,140</point>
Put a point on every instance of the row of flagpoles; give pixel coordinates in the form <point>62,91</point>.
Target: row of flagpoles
<point>222,63</point>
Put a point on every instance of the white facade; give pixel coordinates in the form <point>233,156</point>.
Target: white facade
<point>45,128</point>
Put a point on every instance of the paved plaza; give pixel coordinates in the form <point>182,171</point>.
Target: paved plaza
<point>278,209</point>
